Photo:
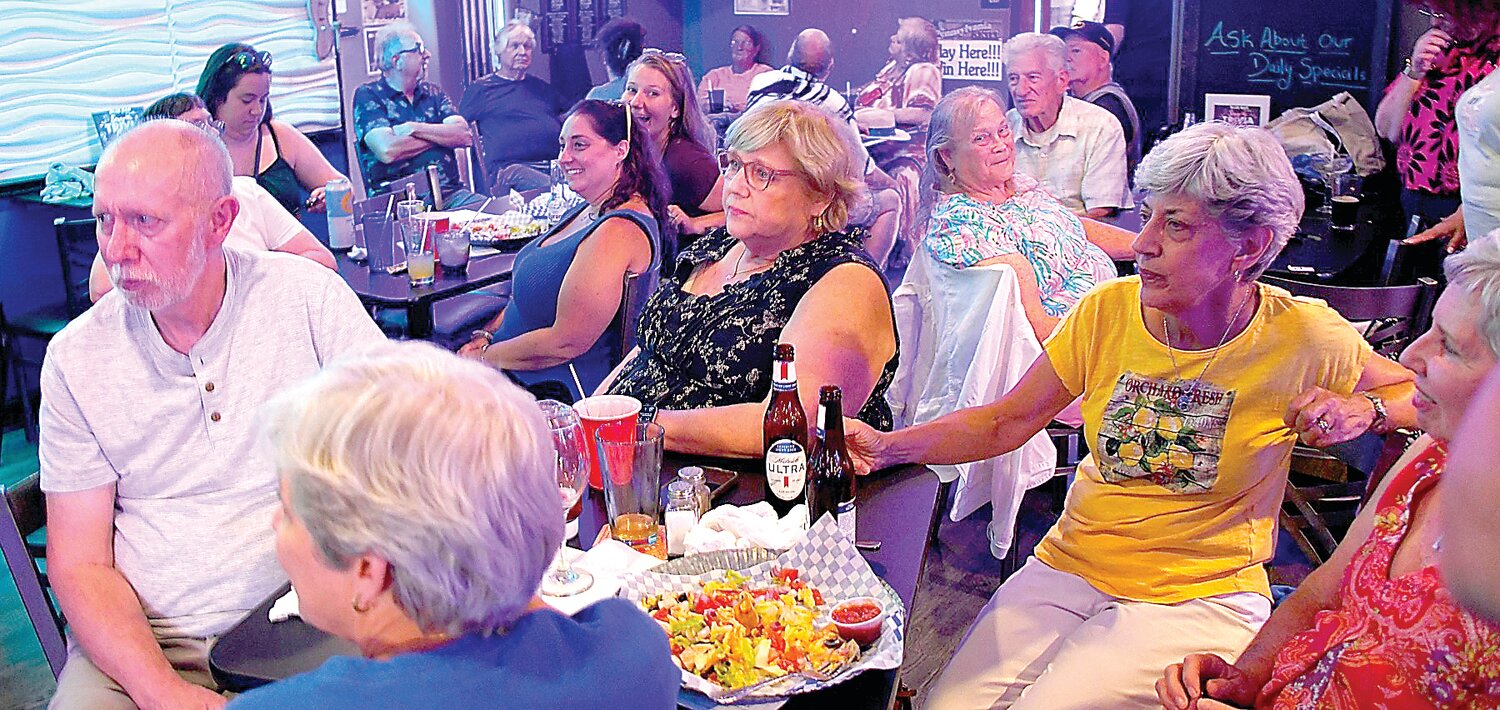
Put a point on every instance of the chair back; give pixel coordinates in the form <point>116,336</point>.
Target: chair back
<point>24,513</point>
<point>77,246</point>
<point>479,180</point>
<point>1390,317</point>
<point>638,288</point>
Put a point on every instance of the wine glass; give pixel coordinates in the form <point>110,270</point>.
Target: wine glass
<point>1329,166</point>
<point>563,580</point>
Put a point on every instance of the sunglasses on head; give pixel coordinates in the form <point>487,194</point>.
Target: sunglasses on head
<point>669,56</point>
<point>248,59</point>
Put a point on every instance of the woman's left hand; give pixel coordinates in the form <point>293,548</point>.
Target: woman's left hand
<point>317,201</point>
<point>681,221</point>
<point>1323,418</point>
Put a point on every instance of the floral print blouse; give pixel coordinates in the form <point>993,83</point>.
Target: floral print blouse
<point>1427,152</point>
<point>1394,643</point>
<point>964,231</point>
<point>710,351</point>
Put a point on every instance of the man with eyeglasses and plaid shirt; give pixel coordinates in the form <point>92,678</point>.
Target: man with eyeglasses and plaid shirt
<point>404,124</point>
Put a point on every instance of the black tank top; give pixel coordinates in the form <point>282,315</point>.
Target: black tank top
<point>278,178</point>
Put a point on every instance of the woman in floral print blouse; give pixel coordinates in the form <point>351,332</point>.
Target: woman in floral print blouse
<point>980,212</point>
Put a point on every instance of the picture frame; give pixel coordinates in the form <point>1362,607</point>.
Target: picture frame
<point>762,7</point>
<point>372,53</point>
<point>1238,109</point>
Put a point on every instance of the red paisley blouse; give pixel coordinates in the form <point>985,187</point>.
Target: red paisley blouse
<point>1391,643</point>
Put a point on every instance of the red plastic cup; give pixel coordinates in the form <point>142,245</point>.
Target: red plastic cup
<point>614,414</point>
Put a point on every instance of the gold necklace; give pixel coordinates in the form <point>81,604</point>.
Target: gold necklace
<point>1187,395</point>
<point>740,262</point>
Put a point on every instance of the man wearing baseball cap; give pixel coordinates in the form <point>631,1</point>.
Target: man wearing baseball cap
<point>1091,47</point>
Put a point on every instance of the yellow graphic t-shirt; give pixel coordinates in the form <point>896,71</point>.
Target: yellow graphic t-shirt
<point>1178,499</point>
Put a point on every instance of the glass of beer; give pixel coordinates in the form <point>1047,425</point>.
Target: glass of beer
<point>632,492</point>
<point>1345,190</point>
<point>419,259</point>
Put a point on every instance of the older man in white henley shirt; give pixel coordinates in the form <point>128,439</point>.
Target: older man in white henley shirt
<point>159,503</point>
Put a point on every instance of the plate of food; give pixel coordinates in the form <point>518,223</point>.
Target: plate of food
<point>508,231</point>
<point>755,624</point>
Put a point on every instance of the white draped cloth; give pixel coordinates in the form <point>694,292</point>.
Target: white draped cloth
<point>965,341</point>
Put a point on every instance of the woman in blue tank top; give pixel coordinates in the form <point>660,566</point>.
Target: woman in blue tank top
<point>568,285</point>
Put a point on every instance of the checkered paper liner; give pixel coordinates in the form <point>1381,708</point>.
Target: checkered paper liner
<point>827,560</point>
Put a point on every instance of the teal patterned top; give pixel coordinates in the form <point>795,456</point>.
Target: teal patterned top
<point>965,231</point>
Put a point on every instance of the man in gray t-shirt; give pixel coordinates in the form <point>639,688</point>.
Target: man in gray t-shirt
<point>159,502</point>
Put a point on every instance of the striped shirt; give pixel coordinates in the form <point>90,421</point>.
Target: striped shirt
<point>789,82</point>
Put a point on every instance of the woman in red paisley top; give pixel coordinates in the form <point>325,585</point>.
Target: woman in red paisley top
<point>1375,626</point>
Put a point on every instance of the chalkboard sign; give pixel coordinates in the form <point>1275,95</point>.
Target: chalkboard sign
<point>1298,52</point>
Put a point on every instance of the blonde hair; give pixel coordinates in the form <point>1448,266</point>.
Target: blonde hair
<point>822,145</point>
<point>439,465</point>
<point>691,123</point>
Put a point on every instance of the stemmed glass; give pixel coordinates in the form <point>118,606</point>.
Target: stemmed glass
<point>1329,167</point>
<point>563,580</point>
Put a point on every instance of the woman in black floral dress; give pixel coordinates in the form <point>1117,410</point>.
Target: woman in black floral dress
<point>782,270</point>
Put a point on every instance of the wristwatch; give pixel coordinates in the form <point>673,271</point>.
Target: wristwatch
<point>1378,425</point>
<point>1406,67</point>
<point>482,333</point>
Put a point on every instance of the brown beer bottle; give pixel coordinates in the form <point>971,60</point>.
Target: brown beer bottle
<point>831,471</point>
<point>785,436</point>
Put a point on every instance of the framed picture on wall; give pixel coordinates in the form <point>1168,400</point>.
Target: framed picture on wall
<point>372,53</point>
<point>762,7</point>
<point>1238,109</point>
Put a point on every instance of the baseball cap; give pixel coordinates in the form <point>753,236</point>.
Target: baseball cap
<point>1091,31</point>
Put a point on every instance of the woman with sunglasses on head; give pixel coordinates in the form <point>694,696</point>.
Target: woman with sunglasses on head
<point>236,87</point>
<point>659,90</point>
<point>783,269</point>
<point>569,284</point>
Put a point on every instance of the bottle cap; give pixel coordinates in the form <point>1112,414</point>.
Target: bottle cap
<point>680,490</point>
<point>689,473</point>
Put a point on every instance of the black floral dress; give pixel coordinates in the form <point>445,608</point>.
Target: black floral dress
<point>710,351</point>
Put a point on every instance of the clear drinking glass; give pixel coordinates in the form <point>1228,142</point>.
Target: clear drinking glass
<point>1329,167</point>
<point>563,580</point>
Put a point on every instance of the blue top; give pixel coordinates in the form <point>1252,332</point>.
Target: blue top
<point>377,105</point>
<point>608,656</point>
<point>536,283</point>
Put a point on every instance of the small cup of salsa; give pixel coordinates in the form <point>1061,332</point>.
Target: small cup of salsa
<point>859,619</point>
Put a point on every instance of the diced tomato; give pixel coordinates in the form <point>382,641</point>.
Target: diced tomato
<point>659,614</point>
<point>817,597</point>
<point>787,574</point>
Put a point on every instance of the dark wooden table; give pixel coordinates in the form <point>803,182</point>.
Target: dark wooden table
<point>895,507</point>
<point>377,288</point>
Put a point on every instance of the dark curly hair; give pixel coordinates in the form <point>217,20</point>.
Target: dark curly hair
<point>641,173</point>
<point>620,42</point>
<point>220,75</point>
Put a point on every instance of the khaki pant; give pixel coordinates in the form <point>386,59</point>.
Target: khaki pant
<point>84,687</point>
<point>1049,640</point>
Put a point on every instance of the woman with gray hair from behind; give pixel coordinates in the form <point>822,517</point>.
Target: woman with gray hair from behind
<point>419,510</point>
<point>1196,381</point>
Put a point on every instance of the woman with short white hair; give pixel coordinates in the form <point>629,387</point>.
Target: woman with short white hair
<point>419,510</point>
<point>1196,381</point>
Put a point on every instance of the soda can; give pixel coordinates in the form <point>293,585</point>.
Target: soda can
<point>339,195</point>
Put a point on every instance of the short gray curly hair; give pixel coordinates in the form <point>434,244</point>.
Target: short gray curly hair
<point>437,464</point>
<point>1476,271</point>
<point>1241,173</point>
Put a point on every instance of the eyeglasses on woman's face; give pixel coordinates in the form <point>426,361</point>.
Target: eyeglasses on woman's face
<point>247,59</point>
<point>760,175</point>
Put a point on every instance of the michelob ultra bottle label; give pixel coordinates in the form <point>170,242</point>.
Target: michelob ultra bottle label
<point>844,514</point>
<point>786,469</point>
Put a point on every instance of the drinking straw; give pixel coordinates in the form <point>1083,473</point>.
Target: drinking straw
<point>470,220</point>
<point>390,204</point>
<point>579,385</point>
<point>425,245</point>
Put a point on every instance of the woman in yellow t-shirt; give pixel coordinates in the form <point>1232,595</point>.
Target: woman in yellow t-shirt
<point>1196,382</point>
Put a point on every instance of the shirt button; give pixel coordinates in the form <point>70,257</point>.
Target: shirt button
<point>214,417</point>
<point>208,387</point>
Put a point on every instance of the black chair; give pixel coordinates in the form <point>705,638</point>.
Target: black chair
<point>76,248</point>
<point>24,514</point>
<point>1390,316</point>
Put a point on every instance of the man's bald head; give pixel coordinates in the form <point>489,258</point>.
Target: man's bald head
<point>159,146</point>
<point>811,52</point>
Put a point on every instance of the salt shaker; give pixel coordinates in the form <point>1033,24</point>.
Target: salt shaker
<point>682,515</point>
